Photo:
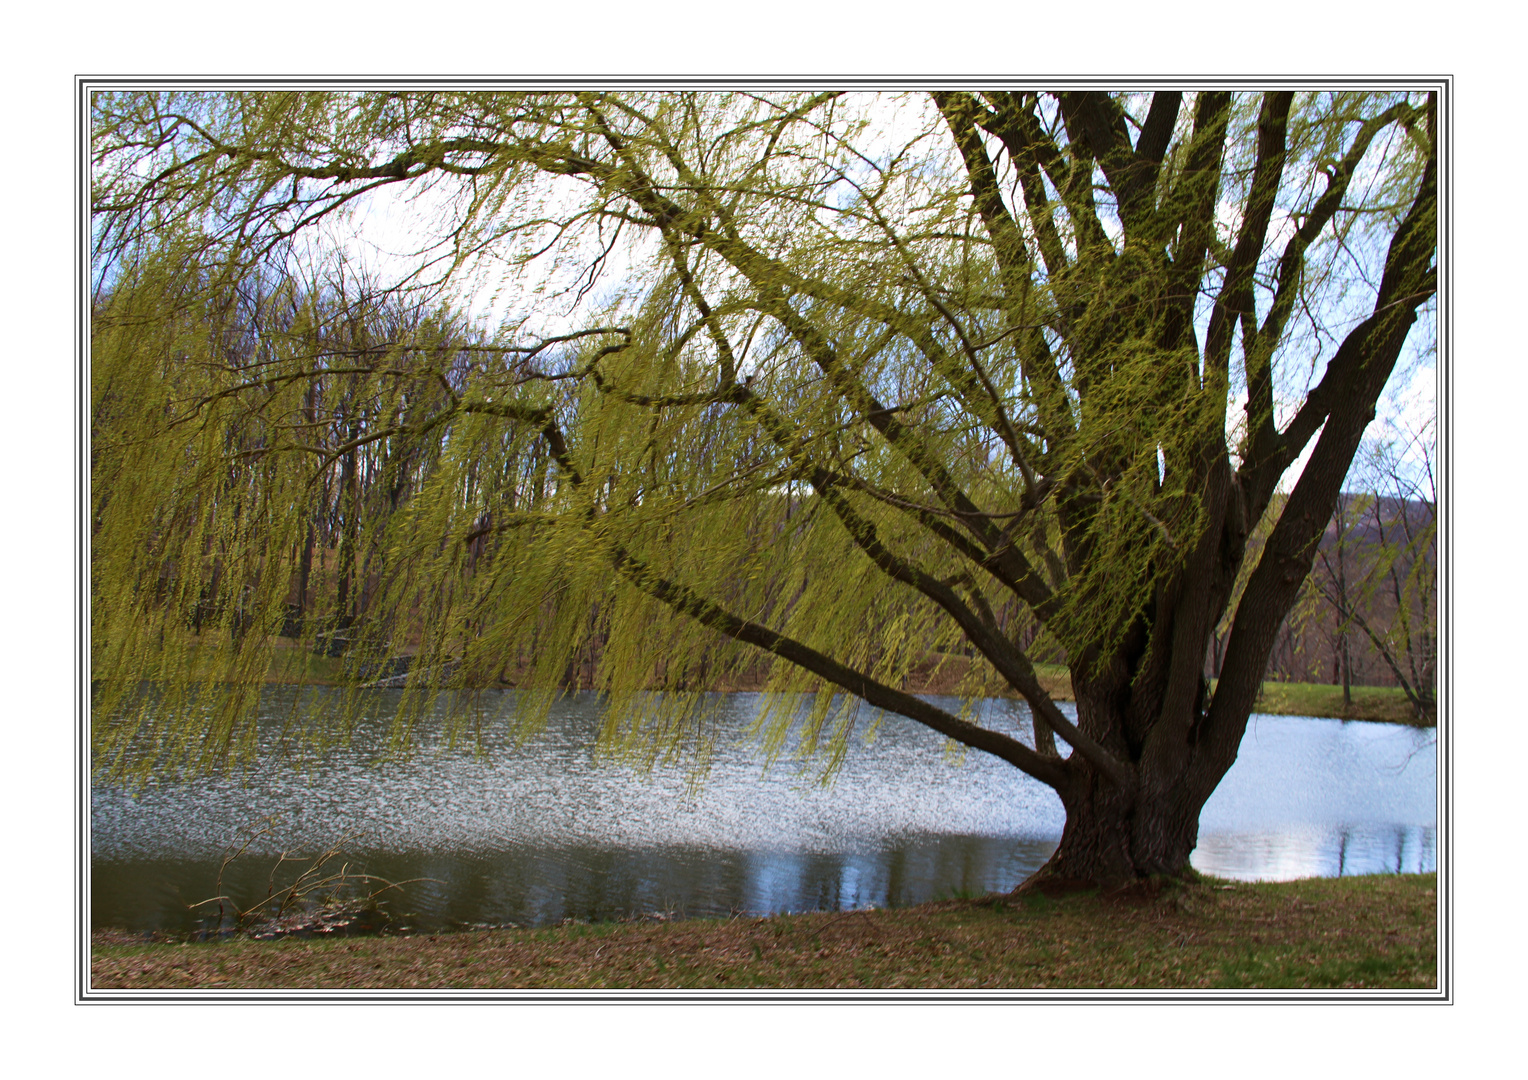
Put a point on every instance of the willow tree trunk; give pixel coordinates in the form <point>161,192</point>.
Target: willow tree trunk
<point>1115,835</point>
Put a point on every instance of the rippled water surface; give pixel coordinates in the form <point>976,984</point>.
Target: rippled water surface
<point>543,832</point>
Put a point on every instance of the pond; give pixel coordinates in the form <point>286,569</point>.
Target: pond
<point>544,832</point>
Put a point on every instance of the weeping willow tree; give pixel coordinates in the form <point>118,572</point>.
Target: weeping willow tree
<point>832,383</point>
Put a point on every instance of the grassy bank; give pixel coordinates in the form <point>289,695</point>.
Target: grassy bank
<point>1321,933</point>
<point>1383,703</point>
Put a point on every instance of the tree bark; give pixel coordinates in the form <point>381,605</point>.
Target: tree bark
<point>1114,837</point>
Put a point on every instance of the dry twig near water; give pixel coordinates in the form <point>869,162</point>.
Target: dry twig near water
<point>318,900</point>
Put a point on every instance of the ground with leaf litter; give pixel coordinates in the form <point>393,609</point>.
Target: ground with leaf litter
<point>1347,932</point>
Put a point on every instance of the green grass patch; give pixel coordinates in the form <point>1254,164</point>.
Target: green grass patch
<point>1386,704</point>
<point>296,664</point>
<point>1383,703</point>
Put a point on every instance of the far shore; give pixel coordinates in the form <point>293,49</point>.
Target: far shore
<point>295,665</point>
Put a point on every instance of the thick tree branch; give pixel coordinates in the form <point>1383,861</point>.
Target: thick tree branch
<point>1009,660</point>
<point>1235,300</point>
<point>686,601</point>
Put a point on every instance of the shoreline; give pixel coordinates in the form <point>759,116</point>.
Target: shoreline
<point>294,665</point>
<point>1375,931</point>
<point>1319,701</point>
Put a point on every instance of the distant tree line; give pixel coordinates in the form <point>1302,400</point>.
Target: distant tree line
<point>1367,617</point>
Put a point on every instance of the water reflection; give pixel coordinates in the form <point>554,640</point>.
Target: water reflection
<point>1298,851</point>
<point>530,887</point>
<point>544,833</point>
<point>1323,798</point>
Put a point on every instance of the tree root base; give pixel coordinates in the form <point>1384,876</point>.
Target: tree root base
<point>1143,889</point>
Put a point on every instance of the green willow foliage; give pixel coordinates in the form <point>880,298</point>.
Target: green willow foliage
<point>833,382</point>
